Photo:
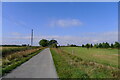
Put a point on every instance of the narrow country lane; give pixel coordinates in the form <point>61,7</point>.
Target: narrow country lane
<point>40,66</point>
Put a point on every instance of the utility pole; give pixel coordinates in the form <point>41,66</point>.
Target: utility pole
<point>32,37</point>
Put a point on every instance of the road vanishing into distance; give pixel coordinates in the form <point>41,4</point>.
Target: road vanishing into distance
<point>39,66</point>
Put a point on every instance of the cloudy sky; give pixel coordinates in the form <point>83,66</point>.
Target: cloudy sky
<point>69,23</point>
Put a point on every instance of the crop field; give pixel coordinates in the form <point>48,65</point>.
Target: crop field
<point>9,50</point>
<point>6,48</point>
<point>15,56</point>
<point>77,62</point>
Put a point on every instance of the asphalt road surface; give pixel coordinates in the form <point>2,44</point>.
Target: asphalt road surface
<point>39,66</point>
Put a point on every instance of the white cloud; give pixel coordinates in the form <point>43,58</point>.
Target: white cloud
<point>65,23</point>
<point>63,40</point>
<point>15,34</point>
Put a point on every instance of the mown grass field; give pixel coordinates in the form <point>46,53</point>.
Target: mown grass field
<point>77,62</point>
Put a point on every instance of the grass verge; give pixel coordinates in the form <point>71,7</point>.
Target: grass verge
<point>72,66</point>
<point>18,62</point>
<point>64,69</point>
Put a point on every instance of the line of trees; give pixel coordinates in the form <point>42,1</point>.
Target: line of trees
<point>53,43</point>
<point>102,45</point>
<point>14,45</point>
<point>47,43</point>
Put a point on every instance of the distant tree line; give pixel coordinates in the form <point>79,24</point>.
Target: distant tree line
<point>14,45</point>
<point>102,45</point>
<point>47,43</point>
<point>97,45</point>
<point>71,45</point>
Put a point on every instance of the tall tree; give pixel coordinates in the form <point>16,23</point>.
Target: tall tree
<point>100,45</point>
<point>103,45</point>
<point>44,42</point>
<point>117,45</point>
<point>112,46</point>
<point>87,45</point>
<point>96,45</point>
<point>53,42</point>
<point>107,45</point>
<point>83,45</point>
<point>91,45</point>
